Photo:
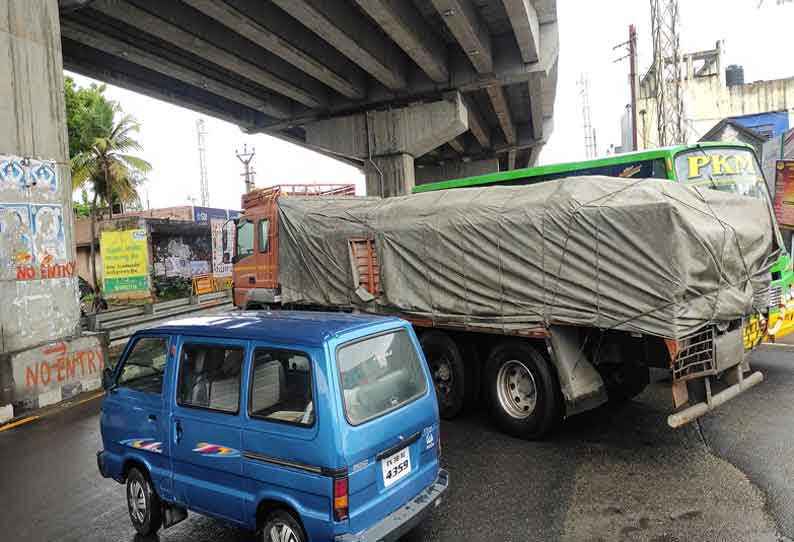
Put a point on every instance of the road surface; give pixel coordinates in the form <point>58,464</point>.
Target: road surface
<point>612,474</point>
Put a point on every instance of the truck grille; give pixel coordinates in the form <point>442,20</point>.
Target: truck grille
<point>696,356</point>
<point>775,296</point>
<point>762,299</point>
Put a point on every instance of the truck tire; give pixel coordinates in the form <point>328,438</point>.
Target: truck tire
<point>522,390</point>
<point>143,503</point>
<point>448,371</point>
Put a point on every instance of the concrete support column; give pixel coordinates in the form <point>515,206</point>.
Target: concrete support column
<point>388,141</point>
<point>388,176</point>
<point>38,278</point>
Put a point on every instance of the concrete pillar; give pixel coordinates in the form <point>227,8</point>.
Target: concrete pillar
<point>38,277</point>
<point>456,170</point>
<point>388,141</point>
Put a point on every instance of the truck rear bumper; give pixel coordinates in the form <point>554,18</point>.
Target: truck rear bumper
<point>694,412</point>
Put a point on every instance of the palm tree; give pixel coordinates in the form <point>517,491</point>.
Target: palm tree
<point>110,171</point>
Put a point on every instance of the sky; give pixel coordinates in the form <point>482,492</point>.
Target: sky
<point>757,38</point>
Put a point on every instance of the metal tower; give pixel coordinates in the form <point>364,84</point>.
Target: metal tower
<point>667,72</point>
<point>590,149</point>
<point>202,148</point>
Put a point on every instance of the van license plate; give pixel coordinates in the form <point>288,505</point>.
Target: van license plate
<point>396,466</point>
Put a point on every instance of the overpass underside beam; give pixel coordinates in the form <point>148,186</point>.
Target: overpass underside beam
<point>387,142</point>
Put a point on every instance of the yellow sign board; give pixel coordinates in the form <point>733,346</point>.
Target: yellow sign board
<point>125,261</point>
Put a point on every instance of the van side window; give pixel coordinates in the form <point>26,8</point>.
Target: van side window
<point>281,387</point>
<point>145,365</point>
<point>209,377</point>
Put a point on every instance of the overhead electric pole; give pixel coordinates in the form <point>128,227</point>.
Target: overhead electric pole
<point>202,148</point>
<point>590,148</point>
<point>631,44</point>
<point>667,72</point>
<point>245,157</point>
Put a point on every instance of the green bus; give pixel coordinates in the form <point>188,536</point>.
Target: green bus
<point>728,167</point>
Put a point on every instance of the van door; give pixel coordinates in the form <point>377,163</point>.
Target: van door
<point>205,427</point>
<point>392,423</point>
<point>134,412</point>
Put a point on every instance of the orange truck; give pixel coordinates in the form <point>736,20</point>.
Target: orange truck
<point>529,377</point>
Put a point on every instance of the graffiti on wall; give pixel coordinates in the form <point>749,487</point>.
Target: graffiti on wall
<point>57,365</point>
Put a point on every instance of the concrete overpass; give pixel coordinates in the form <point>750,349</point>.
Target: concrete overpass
<point>409,90</point>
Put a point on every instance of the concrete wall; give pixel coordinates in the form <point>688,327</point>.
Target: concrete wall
<point>56,371</point>
<point>38,288</point>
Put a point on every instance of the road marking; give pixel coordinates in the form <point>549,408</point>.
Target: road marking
<point>19,422</point>
<point>81,401</point>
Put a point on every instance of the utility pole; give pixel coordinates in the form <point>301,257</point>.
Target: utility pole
<point>632,56</point>
<point>590,149</point>
<point>202,148</point>
<point>667,72</point>
<point>245,157</point>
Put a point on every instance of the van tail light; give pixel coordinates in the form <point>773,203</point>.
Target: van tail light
<point>340,499</point>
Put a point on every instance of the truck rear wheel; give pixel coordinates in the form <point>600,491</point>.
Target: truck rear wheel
<point>522,390</point>
<point>448,371</point>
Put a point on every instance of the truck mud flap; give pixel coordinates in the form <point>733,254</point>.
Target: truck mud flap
<point>689,414</point>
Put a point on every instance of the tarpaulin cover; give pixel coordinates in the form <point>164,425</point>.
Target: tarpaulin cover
<point>648,256</point>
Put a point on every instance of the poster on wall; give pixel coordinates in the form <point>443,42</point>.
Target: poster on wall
<point>21,173</point>
<point>219,268</point>
<point>48,237</point>
<point>16,235</point>
<point>784,193</point>
<point>125,260</point>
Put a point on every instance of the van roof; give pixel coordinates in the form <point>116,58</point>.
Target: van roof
<point>296,327</point>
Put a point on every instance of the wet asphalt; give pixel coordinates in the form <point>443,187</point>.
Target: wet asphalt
<point>611,474</point>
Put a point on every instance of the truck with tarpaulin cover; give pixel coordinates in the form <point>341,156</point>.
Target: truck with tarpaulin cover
<point>539,301</point>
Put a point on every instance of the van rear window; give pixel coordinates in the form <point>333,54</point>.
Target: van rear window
<point>379,374</point>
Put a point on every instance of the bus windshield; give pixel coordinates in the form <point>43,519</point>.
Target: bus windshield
<point>725,169</point>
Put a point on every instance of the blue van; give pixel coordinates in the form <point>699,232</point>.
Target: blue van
<point>297,425</point>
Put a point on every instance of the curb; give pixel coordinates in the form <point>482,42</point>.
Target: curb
<point>31,415</point>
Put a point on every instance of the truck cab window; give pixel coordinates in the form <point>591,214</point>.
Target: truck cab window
<point>245,239</point>
<point>264,239</point>
<point>144,367</point>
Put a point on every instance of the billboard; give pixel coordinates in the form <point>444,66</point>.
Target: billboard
<point>784,193</point>
<point>125,261</point>
<point>221,262</point>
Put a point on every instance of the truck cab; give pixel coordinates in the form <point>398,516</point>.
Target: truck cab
<point>298,426</point>
<point>255,252</point>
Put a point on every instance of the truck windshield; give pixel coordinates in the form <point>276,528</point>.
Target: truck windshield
<point>724,169</point>
<point>379,374</point>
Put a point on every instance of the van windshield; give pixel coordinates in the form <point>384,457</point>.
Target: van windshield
<point>379,374</point>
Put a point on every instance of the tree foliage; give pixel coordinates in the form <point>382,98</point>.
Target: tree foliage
<point>88,115</point>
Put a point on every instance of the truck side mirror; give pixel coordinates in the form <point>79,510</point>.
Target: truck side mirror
<point>107,379</point>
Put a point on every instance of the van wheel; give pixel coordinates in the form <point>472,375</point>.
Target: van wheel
<point>281,526</point>
<point>523,394</point>
<point>448,371</point>
<point>143,503</point>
